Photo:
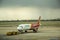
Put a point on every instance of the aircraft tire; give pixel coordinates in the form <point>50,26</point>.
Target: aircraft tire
<point>35,30</point>
<point>25,30</point>
<point>20,31</point>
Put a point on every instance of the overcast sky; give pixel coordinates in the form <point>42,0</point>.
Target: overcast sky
<point>29,9</point>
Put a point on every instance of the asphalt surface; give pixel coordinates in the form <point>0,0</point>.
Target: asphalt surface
<point>44,33</point>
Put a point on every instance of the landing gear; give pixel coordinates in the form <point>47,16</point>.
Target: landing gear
<point>25,30</point>
<point>20,31</point>
<point>35,30</point>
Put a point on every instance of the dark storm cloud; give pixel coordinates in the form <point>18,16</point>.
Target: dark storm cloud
<point>59,3</point>
<point>40,3</point>
<point>0,2</point>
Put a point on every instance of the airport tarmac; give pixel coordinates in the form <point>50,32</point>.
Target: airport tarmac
<point>44,33</point>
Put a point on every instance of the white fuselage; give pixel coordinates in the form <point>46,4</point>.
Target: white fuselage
<point>24,26</point>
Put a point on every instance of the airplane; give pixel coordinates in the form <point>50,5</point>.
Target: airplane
<point>33,26</point>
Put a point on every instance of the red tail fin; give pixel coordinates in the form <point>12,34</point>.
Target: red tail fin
<point>39,20</point>
<point>37,24</point>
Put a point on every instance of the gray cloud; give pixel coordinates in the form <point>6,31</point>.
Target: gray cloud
<point>48,9</point>
<point>40,3</point>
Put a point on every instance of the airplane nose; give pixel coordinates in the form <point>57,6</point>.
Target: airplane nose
<point>19,28</point>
